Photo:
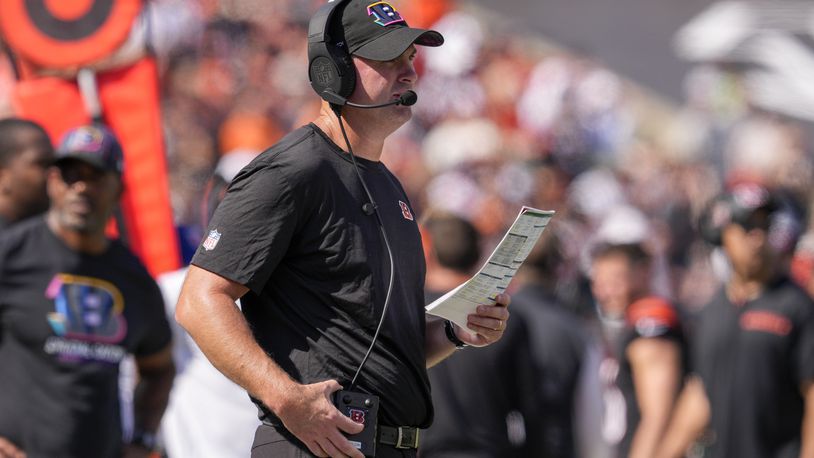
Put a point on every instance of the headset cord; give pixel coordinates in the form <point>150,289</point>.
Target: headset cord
<point>386,244</point>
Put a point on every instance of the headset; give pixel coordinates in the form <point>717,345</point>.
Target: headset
<point>716,216</point>
<point>330,67</point>
<point>784,219</point>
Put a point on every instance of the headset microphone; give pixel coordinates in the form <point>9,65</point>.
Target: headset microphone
<point>408,98</point>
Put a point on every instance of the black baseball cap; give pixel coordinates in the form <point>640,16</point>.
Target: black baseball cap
<point>376,31</point>
<point>750,205</point>
<point>94,145</point>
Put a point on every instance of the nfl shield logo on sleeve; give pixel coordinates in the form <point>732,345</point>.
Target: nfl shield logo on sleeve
<point>211,240</point>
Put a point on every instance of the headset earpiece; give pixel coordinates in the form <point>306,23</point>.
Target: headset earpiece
<point>330,67</point>
<point>715,217</point>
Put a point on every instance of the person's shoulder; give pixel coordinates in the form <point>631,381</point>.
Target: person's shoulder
<point>793,298</point>
<point>295,155</point>
<point>536,299</point>
<point>292,148</point>
<point>544,312</point>
<point>128,263</point>
<point>790,288</point>
<point>16,234</point>
<point>652,316</point>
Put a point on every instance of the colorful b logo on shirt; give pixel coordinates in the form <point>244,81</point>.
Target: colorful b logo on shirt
<point>87,309</point>
<point>384,14</point>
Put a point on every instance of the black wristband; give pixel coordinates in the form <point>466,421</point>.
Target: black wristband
<point>449,329</point>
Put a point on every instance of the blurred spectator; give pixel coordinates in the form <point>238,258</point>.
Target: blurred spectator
<point>241,136</point>
<point>525,405</point>
<point>563,420</point>
<point>208,415</point>
<point>755,340</point>
<point>504,118</point>
<point>25,154</point>
<point>470,419</point>
<point>644,350</point>
<point>73,304</point>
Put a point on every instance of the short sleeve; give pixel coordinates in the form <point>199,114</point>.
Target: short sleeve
<point>251,229</point>
<point>652,317</point>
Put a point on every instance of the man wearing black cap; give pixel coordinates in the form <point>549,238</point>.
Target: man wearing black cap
<point>754,345</point>
<point>73,304</point>
<point>318,240</point>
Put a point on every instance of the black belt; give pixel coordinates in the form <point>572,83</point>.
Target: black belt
<point>403,437</point>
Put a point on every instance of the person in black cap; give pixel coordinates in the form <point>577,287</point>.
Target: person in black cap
<point>25,154</point>
<point>73,304</point>
<point>754,345</point>
<point>318,240</point>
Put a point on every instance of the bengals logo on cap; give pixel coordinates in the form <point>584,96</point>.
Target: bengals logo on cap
<point>384,13</point>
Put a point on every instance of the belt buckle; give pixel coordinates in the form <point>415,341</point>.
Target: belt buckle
<point>400,441</point>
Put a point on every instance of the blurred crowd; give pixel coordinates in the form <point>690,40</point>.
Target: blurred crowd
<point>504,118</point>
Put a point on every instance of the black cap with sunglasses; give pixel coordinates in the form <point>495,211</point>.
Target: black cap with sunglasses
<point>753,206</point>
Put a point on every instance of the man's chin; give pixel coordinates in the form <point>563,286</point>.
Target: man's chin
<point>79,224</point>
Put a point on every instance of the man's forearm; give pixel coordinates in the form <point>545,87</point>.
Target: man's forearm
<point>689,419</point>
<point>214,321</point>
<point>151,396</point>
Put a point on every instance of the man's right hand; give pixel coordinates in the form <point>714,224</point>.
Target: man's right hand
<point>9,450</point>
<point>308,413</point>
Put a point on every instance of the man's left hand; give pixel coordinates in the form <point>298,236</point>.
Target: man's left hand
<point>486,326</point>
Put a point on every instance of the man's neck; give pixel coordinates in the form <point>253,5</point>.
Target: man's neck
<point>740,290</point>
<point>94,242</point>
<point>365,136</point>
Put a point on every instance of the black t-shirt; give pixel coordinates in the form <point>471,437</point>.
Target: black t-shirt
<point>752,359</point>
<point>292,229</point>
<point>514,398</point>
<point>66,321</point>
